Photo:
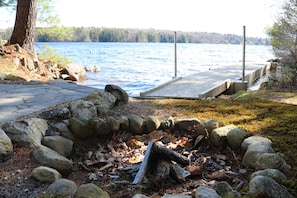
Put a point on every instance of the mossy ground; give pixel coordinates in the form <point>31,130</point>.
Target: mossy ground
<point>257,112</point>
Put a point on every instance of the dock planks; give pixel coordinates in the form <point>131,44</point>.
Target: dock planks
<point>209,83</point>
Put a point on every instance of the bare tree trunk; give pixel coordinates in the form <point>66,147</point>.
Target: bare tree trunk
<point>25,23</point>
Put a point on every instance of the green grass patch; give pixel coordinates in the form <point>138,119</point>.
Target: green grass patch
<point>49,54</point>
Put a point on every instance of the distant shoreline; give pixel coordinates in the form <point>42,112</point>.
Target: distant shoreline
<point>96,34</point>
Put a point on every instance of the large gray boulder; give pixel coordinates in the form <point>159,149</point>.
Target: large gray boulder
<point>187,125</point>
<point>210,125</point>
<point>51,158</point>
<point>61,145</point>
<point>56,114</point>
<point>206,127</point>
<point>100,126</point>
<point>225,190</point>
<point>253,153</point>
<point>62,129</point>
<point>124,123</point>
<point>254,139</point>
<point>81,128</point>
<point>262,186</point>
<point>114,124</point>
<point>235,137</point>
<point>74,72</point>
<point>90,191</point>
<point>62,188</point>
<point>275,174</point>
<point>260,155</point>
<point>6,147</point>
<point>151,123</point>
<point>103,100</point>
<point>206,192</point>
<point>45,174</point>
<point>121,95</point>
<point>135,124</point>
<point>271,160</point>
<point>218,136</point>
<point>83,109</point>
<point>28,132</point>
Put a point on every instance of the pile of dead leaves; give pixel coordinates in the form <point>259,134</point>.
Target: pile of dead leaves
<point>119,162</point>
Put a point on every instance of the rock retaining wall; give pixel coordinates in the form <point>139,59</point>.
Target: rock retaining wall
<point>53,144</point>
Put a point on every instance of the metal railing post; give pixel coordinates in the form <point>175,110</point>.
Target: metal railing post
<point>243,56</point>
<point>175,56</point>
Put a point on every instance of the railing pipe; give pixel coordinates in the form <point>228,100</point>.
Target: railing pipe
<point>243,56</point>
<point>175,56</point>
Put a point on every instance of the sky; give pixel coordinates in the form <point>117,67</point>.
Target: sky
<point>220,16</point>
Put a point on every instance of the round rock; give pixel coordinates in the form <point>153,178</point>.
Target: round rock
<point>6,147</point>
<point>51,158</point>
<point>266,187</point>
<point>235,137</point>
<point>120,94</point>
<point>254,139</point>
<point>45,174</point>
<point>90,191</point>
<point>62,187</point>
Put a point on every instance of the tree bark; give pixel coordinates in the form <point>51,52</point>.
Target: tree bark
<point>25,23</point>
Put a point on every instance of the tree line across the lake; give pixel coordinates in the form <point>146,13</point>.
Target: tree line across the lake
<point>95,34</point>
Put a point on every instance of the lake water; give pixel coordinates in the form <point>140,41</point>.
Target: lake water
<point>137,67</point>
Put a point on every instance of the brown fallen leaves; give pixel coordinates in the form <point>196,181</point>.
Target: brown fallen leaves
<point>124,153</point>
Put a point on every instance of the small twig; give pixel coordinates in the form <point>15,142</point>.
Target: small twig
<point>84,166</point>
<point>233,155</point>
<point>239,186</point>
<point>105,167</point>
<point>91,163</point>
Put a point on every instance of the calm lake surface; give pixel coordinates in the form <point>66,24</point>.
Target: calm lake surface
<point>137,67</point>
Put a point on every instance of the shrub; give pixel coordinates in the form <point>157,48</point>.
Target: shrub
<point>48,54</point>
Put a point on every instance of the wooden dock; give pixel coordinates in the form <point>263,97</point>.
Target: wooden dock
<point>210,83</point>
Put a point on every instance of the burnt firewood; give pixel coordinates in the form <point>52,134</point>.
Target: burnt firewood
<point>162,170</point>
<point>157,163</point>
<point>169,154</point>
<point>133,169</point>
<point>144,164</point>
<point>178,172</point>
